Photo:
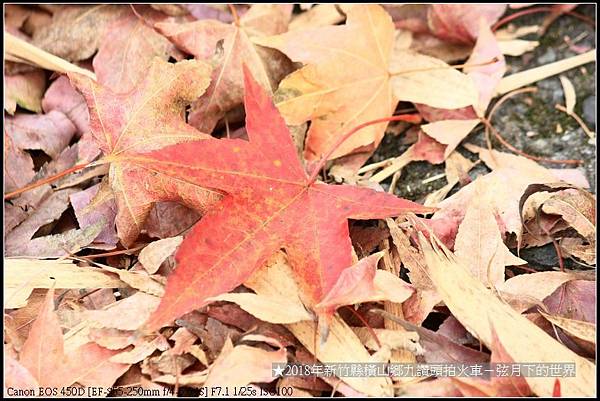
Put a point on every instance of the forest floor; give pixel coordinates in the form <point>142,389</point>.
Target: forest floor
<point>529,122</point>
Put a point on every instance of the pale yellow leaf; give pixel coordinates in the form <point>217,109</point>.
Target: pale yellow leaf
<point>481,313</point>
<point>277,310</point>
<point>152,256</point>
<point>450,132</point>
<point>517,47</point>
<point>570,95</point>
<point>479,243</point>
<point>342,345</point>
<point>422,79</point>
<point>394,339</point>
<point>527,77</point>
<point>580,329</point>
<point>21,276</point>
<point>242,364</point>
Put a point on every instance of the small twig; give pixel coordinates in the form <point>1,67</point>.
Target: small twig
<point>337,384</point>
<point>535,10</point>
<point>412,118</point>
<point>140,17</point>
<point>44,181</point>
<point>433,178</point>
<point>86,294</point>
<point>369,328</point>
<point>395,179</point>
<point>376,165</point>
<point>489,127</point>
<point>114,253</point>
<point>227,133</point>
<point>527,155</point>
<point>582,124</point>
<point>21,49</point>
<point>558,254</point>
<point>529,89</point>
<point>527,269</point>
<point>519,14</point>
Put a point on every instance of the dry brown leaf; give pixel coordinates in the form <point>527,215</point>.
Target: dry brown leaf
<point>76,31</point>
<point>453,90</point>
<point>126,314</point>
<point>373,72</point>
<point>319,15</point>
<point>418,306</point>
<point>49,210</point>
<point>227,47</point>
<point>50,132</point>
<point>152,256</point>
<point>477,309</point>
<point>450,132</point>
<point>94,204</point>
<point>504,186</point>
<point>111,338</point>
<point>241,365</point>
<point>277,309</point>
<point>18,167</point>
<point>342,344</point>
<point>139,280</point>
<point>548,210</point>
<point>25,90</point>
<point>577,209</point>
<point>527,290</point>
<point>143,348</point>
<point>457,167</point>
<point>394,339</point>
<point>127,48</point>
<point>44,346</point>
<point>184,340</point>
<point>61,96</point>
<point>580,329</point>
<point>62,244</point>
<point>479,244</point>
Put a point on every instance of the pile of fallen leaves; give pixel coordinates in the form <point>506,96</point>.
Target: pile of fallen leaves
<point>187,203</point>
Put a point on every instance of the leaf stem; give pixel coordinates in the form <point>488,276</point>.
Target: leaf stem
<point>519,14</point>
<point>535,10</point>
<point>234,14</point>
<point>45,181</point>
<point>490,128</point>
<point>411,118</point>
<point>521,153</point>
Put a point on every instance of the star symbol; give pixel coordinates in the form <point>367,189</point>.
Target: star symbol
<point>278,370</point>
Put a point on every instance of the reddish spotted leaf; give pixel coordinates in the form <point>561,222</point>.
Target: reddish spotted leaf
<point>146,119</point>
<point>270,204</point>
<point>227,46</point>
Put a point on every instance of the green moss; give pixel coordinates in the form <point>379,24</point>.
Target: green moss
<point>543,117</point>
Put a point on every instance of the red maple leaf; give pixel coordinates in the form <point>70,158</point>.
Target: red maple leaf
<point>270,204</point>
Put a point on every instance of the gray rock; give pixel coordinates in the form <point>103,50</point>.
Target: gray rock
<point>589,110</point>
<point>548,57</point>
<point>544,256</point>
<point>540,146</point>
